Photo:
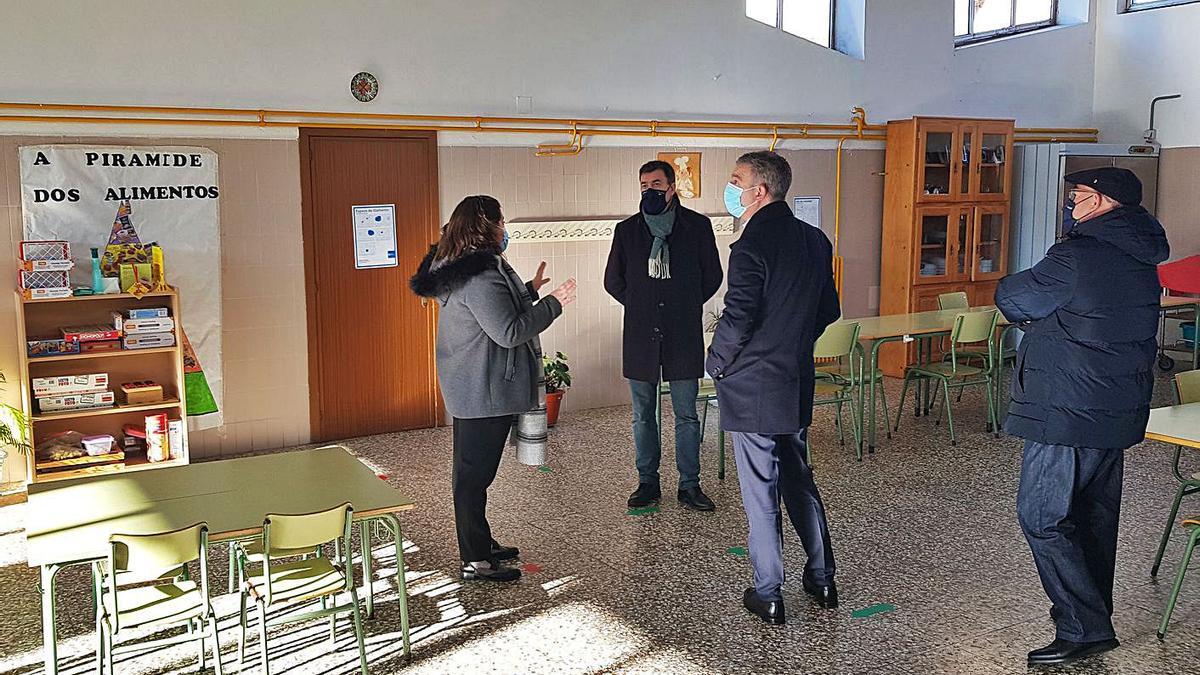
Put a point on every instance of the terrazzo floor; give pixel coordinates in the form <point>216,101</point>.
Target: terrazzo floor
<point>924,528</point>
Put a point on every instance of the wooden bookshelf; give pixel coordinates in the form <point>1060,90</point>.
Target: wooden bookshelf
<point>43,319</point>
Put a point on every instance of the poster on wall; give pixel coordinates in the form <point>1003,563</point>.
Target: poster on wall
<point>89,195</point>
<point>374,236</point>
<point>687,172</point>
<point>808,209</point>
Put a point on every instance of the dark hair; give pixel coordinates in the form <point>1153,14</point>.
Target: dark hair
<point>658,165</point>
<point>473,226</point>
<point>771,169</point>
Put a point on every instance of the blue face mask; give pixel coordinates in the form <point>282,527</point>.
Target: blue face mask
<point>504,241</point>
<point>1068,220</point>
<point>733,200</point>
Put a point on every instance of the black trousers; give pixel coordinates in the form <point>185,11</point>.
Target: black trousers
<point>1068,504</point>
<point>478,445</point>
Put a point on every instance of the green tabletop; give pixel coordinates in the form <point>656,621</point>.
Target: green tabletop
<point>917,323</point>
<point>1178,424</point>
<point>72,520</point>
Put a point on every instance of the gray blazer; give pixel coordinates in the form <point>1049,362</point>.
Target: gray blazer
<point>487,331</point>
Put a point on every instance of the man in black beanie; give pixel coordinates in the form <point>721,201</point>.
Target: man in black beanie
<point>1081,396</point>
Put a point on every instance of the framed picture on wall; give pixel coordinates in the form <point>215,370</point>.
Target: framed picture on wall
<point>687,172</point>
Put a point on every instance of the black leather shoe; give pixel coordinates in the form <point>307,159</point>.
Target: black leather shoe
<point>694,499</point>
<point>826,596</point>
<point>1065,651</point>
<point>504,552</point>
<point>488,570</point>
<point>771,612</point>
<point>645,495</point>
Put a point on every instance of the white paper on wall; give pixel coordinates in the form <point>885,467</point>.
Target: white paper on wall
<point>72,192</point>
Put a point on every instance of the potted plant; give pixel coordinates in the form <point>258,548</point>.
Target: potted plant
<point>14,430</point>
<point>558,380</point>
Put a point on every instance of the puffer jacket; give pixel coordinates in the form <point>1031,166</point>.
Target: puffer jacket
<point>1085,368</point>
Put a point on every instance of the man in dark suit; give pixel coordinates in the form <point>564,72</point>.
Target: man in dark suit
<point>663,267</point>
<point>781,296</point>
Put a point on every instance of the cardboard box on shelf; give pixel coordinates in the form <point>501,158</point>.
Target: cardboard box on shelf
<point>76,402</point>
<point>135,393</point>
<point>149,340</point>
<point>148,313</point>
<point>69,384</point>
<point>45,293</point>
<point>90,333</point>
<point>45,265</point>
<point>94,346</point>
<point>35,249</point>
<point>158,324</point>
<point>178,447</point>
<point>50,347</point>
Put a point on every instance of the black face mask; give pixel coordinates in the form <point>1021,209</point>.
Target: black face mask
<point>654,201</point>
<point>1068,219</point>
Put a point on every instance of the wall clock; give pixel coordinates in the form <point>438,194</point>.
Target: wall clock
<point>364,86</point>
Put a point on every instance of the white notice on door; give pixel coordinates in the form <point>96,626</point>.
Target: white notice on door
<point>808,209</point>
<point>374,236</point>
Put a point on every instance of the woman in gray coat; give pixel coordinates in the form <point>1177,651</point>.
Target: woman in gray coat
<point>488,362</point>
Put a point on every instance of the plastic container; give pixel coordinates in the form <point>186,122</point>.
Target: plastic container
<point>98,445</point>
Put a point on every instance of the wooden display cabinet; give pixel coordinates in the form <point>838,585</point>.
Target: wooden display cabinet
<point>43,319</point>
<point>946,216</point>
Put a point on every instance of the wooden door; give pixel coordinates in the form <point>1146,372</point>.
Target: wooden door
<point>371,341</point>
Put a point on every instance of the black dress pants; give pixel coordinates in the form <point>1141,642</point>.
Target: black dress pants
<point>478,445</point>
<point>1069,504</point>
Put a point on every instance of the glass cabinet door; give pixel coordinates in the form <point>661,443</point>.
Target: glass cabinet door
<point>937,228</point>
<point>992,175</point>
<point>938,160</point>
<point>990,243</point>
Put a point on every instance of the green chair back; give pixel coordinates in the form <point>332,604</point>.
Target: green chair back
<point>143,558</point>
<point>837,341</point>
<point>1187,386</point>
<point>955,300</point>
<point>305,530</point>
<point>972,327</point>
<point>146,557</point>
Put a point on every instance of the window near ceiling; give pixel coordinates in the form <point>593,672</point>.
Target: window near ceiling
<point>1135,5</point>
<point>808,19</point>
<point>980,20</point>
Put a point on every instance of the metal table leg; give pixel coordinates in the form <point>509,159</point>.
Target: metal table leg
<point>46,588</point>
<point>871,368</point>
<point>393,524</point>
<point>364,537</point>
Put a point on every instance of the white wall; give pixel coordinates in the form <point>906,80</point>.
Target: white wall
<point>1145,54</point>
<point>616,57</point>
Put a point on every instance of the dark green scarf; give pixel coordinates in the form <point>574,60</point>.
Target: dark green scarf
<point>660,226</point>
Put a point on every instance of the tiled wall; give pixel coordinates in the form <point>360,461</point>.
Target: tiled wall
<point>265,334</point>
<point>603,182</point>
<point>264,327</point>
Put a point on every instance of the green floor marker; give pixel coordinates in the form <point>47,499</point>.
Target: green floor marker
<point>880,608</point>
<point>739,551</point>
<point>643,511</point>
<point>544,469</point>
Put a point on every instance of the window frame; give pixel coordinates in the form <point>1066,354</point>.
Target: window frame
<point>1128,6</point>
<point>779,23</point>
<point>1013,28</point>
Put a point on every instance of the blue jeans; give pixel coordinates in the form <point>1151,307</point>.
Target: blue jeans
<point>687,431</point>
<point>1068,504</point>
